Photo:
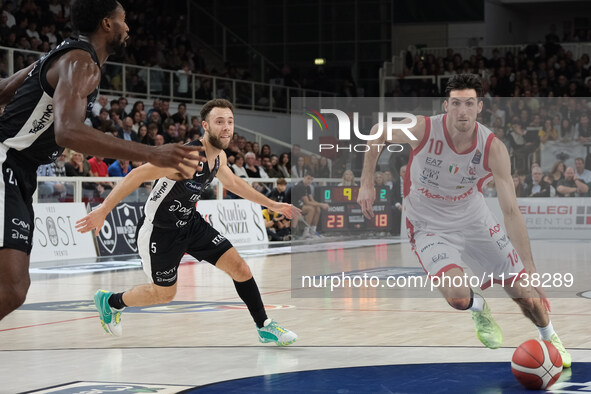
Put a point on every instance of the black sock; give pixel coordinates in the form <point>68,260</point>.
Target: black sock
<point>249,293</point>
<point>116,301</point>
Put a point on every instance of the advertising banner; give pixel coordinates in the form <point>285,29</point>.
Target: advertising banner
<point>55,236</point>
<point>240,221</point>
<point>117,237</point>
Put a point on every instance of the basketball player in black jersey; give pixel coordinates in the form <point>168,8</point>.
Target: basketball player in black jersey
<point>46,114</point>
<point>172,226</point>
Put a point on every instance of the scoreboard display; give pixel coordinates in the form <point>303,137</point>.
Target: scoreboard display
<point>344,214</point>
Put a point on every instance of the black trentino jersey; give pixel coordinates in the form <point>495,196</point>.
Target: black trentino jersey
<point>26,127</point>
<point>171,204</point>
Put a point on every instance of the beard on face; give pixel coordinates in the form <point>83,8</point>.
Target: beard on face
<point>117,45</point>
<point>216,142</point>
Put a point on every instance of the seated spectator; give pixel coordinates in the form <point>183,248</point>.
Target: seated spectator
<point>119,168</point>
<point>59,165</point>
<point>48,191</point>
<point>158,140</point>
<point>323,170</point>
<point>519,185</point>
<point>98,167</point>
<point>100,119</point>
<point>348,179</point>
<point>583,130</point>
<point>278,193</point>
<point>143,136</point>
<point>265,150</point>
<point>277,225</point>
<point>181,117</point>
<point>172,134</point>
<point>77,165</point>
<point>313,165</point>
<point>271,171</point>
<point>299,170</point>
<point>253,170</point>
<point>126,132</point>
<point>238,166</point>
<point>284,165</point>
<point>571,185</point>
<point>538,187</point>
<point>581,172</point>
<point>548,132</point>
<point>557,173</point>
<point>303,199</point>
<point>196,129</point>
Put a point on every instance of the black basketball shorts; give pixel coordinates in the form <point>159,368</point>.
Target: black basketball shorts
<point>162,249</point>
<point>17,185</point>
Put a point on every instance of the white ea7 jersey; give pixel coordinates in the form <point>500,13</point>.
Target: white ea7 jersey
<point>442,186</point>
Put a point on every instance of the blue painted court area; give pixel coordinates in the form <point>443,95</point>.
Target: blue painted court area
<point>417,378</point>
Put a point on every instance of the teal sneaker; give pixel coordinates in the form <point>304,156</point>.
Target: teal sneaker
<point>487,329</point>
<point>273,332</point>
<point>566,357</point>
<point>110,317</point>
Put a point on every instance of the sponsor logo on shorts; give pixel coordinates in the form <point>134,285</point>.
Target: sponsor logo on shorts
<point>218,239</point>
<point>18,236</point>
<point>21,223</point>
<point>166,276</point>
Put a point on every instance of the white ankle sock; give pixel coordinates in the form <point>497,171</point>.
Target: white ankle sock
<point>546,332</point>
<point>477,303</point>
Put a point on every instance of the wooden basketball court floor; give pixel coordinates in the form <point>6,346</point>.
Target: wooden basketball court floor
<point>207,335</point>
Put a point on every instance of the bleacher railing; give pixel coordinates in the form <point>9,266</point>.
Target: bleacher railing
<point>129,80</point>
<point>81,189</point>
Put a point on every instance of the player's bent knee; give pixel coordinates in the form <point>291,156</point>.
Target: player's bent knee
<point>459,303</point>
<point>242,272</point>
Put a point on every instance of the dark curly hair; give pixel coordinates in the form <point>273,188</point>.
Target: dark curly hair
<point>463,82</point>
<point>88,14</point>
<point>215,103</point>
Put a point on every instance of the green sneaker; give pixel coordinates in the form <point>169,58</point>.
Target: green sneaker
<point>273,332</point>
<point>566,357</point>
<point>110,317</point>
<point>487,329</point>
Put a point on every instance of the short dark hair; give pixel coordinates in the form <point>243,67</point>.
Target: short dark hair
<point>215,103</point>
<point>281,181</point>
<point>463,82</point>
<point>86,15</point>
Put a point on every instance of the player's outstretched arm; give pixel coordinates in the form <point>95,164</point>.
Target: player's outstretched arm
<point>366,194</point>
<point>147,172</point>
<point>240,187</point>
<point>9,86</point>
<point>75,76</point>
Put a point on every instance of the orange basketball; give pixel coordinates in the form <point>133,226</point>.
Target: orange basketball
<point>536,364</point>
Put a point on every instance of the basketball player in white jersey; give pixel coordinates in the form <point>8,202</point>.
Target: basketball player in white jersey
<point>448,220</point>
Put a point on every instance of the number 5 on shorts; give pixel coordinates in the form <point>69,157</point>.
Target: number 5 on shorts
<point>153,247</point>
